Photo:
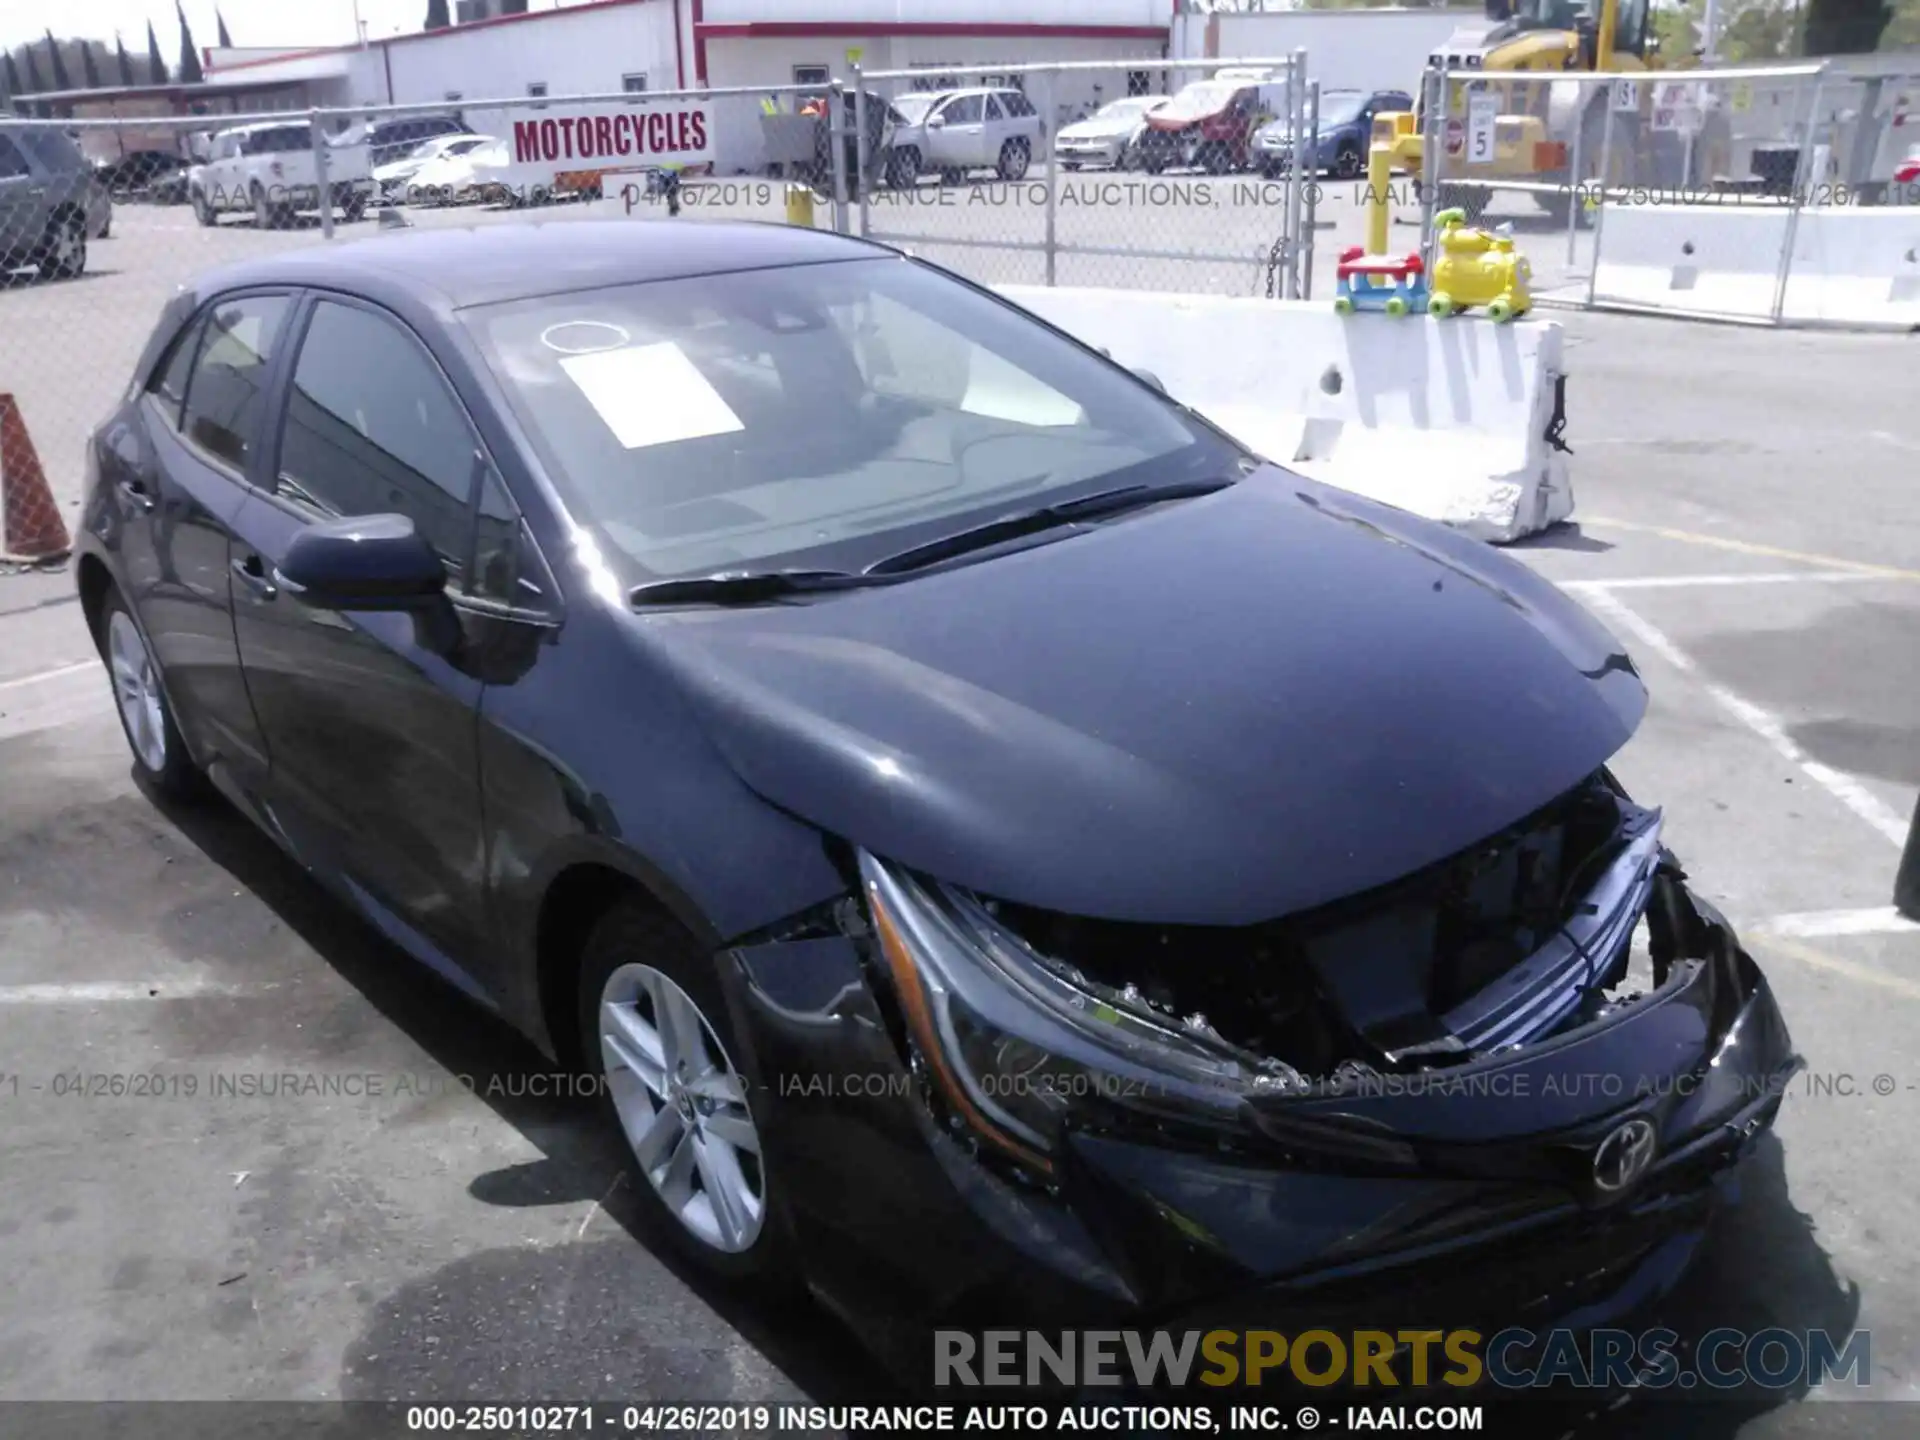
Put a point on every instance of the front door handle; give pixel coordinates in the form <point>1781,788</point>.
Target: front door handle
<point>253,571</point>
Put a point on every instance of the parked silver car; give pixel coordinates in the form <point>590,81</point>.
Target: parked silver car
<point>51,202</point>
<point>956,131</point>
<point>1106,137</point>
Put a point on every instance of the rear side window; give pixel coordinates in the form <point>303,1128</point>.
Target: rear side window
<point>13,164</point>
<point>1017,104</point>
<point>281,140</point>
<point>226,392</point>
<point>170,381</point>
<point>55,150</point>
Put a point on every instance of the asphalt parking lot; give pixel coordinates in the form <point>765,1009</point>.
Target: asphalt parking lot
<point>333,1181</point>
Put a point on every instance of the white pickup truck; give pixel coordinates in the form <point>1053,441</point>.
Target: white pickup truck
<point>270,170</point>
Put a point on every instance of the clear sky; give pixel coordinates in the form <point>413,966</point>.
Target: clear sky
<point>251,22</point>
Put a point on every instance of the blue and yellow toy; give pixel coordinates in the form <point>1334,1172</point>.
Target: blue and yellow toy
<point>1379,282</point>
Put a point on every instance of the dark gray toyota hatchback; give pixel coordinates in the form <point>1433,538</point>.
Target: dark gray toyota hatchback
<point>999,842</point>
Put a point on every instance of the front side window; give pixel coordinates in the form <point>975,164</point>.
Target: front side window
<point>372,428</point>
<point>170,380</point>
<point>13,162</point>
<point>281,140</point>
<point>828,414</point>
<point>226,392</point>
<point>966,110</point>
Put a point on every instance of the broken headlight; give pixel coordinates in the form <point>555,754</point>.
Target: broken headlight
<point>1015,1041</point>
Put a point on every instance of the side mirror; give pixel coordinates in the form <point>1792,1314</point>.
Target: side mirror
<point>1149,377</point>
<point>936,121</point>
<point>366,562</point>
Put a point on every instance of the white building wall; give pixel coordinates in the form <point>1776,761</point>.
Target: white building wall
<point>571,53</point>
<point>1346,49</point>
<point>951,12</point>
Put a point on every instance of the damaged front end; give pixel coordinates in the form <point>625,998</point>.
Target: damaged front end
<point>1545,1028</point>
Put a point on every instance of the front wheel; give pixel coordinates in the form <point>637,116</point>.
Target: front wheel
<point>146,717</point>
<point>203,209</point>
<point>1441,304</point>
<point>654,1026</point>
<point>1347,165</point>
<point>354,206</point>
<point>1216,158</point>
<point>1396,305</point>
<point>63,254</point>
<point>1342,305</point>
<point>1014,158</point>
<point>1500,311</point>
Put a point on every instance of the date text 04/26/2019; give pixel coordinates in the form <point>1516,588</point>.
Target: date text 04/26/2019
<point>824,1420</point>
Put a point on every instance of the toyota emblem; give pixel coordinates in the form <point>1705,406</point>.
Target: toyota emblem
<point>1624,1156</point>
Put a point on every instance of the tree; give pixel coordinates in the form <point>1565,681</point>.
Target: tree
<point>226,40</point>
<point>88,66</point>
<point>126,64</point>
<point>1845,27</point>
<point>10,77</point>
<point>155,64</point>
<point>437,15</point>
<point>34,83</point>
<point>190,71</point>
<point>61,80</point>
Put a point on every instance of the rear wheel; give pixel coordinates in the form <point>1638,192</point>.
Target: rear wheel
<point>264,214</point>
<point>1216,158</point>
<point>903,168</point>
<point>654,1026</point>
<point>354,206</point>
<point>1347,164</point>
<point>159,754</point>
<point>951,176</point>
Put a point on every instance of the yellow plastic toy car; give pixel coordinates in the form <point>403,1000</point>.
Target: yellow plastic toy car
<point>1477,267</point>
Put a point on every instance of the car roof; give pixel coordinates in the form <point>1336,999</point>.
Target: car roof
<point>487,264</point>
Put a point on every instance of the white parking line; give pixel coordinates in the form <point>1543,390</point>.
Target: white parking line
<point>40,676</point>
<point>1812,924</point>
<point>95,992</point>
<point>1771,577</point>
<point>1844,788</point>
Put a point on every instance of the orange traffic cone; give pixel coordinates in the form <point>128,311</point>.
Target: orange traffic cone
<point>33,528</point>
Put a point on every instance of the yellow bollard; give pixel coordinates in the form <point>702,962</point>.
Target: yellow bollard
<point>800,206</point>
<point>1379,183</point>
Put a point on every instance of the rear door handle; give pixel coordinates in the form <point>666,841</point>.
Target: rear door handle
<point>137,492</point>
<point>253,571</point>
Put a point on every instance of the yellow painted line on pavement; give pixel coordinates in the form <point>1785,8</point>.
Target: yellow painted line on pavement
<point>1749,547</point>
<point>1819,960</point>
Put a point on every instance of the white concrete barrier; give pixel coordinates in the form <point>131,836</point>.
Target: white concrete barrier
<point>1446,418</point>
<point>1852,266</point>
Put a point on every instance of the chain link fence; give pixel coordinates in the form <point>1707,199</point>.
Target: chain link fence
<point>1132,173</point>
<point>1730,161</point>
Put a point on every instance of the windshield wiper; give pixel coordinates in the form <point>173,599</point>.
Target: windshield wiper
<point>1044,517</point>
<point>743,587</point>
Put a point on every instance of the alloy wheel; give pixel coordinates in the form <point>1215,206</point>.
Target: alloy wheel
<point>136,687</point>
<point>683,1106</point>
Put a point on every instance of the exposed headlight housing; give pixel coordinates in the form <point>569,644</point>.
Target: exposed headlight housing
<point>1015,1041</point>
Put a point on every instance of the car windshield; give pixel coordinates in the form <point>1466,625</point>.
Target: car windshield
<point>1127,109</point>
<point>913,108</point>
<point>427,149</point>
<point>1339,107</point>
<point>1202,98</point>
<point>822,415</point>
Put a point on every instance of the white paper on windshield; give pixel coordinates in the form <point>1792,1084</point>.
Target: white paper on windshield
<point>1001,390</point>
<point>650,394</point>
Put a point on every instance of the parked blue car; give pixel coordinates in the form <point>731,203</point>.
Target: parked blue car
<point>1346,119</point>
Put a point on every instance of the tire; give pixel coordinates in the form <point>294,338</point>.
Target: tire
<point>1069,164</point>
<point>1348,164</point>
<point>264,214</point>
<point>1015,156</point>
<point>354,207</point>
<point>951,176</point>
<point>1440,305</point>
<point>63,253</point>
<point>1216,158</point>
<point>203,210</point>
<point>641,964</point>
<point>146,715</point>
<point>903,169</point>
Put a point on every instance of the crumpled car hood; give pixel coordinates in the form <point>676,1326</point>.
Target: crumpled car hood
<point>1218,712</point>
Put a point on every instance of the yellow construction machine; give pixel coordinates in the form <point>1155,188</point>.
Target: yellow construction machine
<point>1546,122</point>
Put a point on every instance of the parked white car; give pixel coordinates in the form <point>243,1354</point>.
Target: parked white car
<point>1107,136</point>
<point>464,175</point>
<point>270,169</point>
<point>956,131</point>
<point>395,180</point>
